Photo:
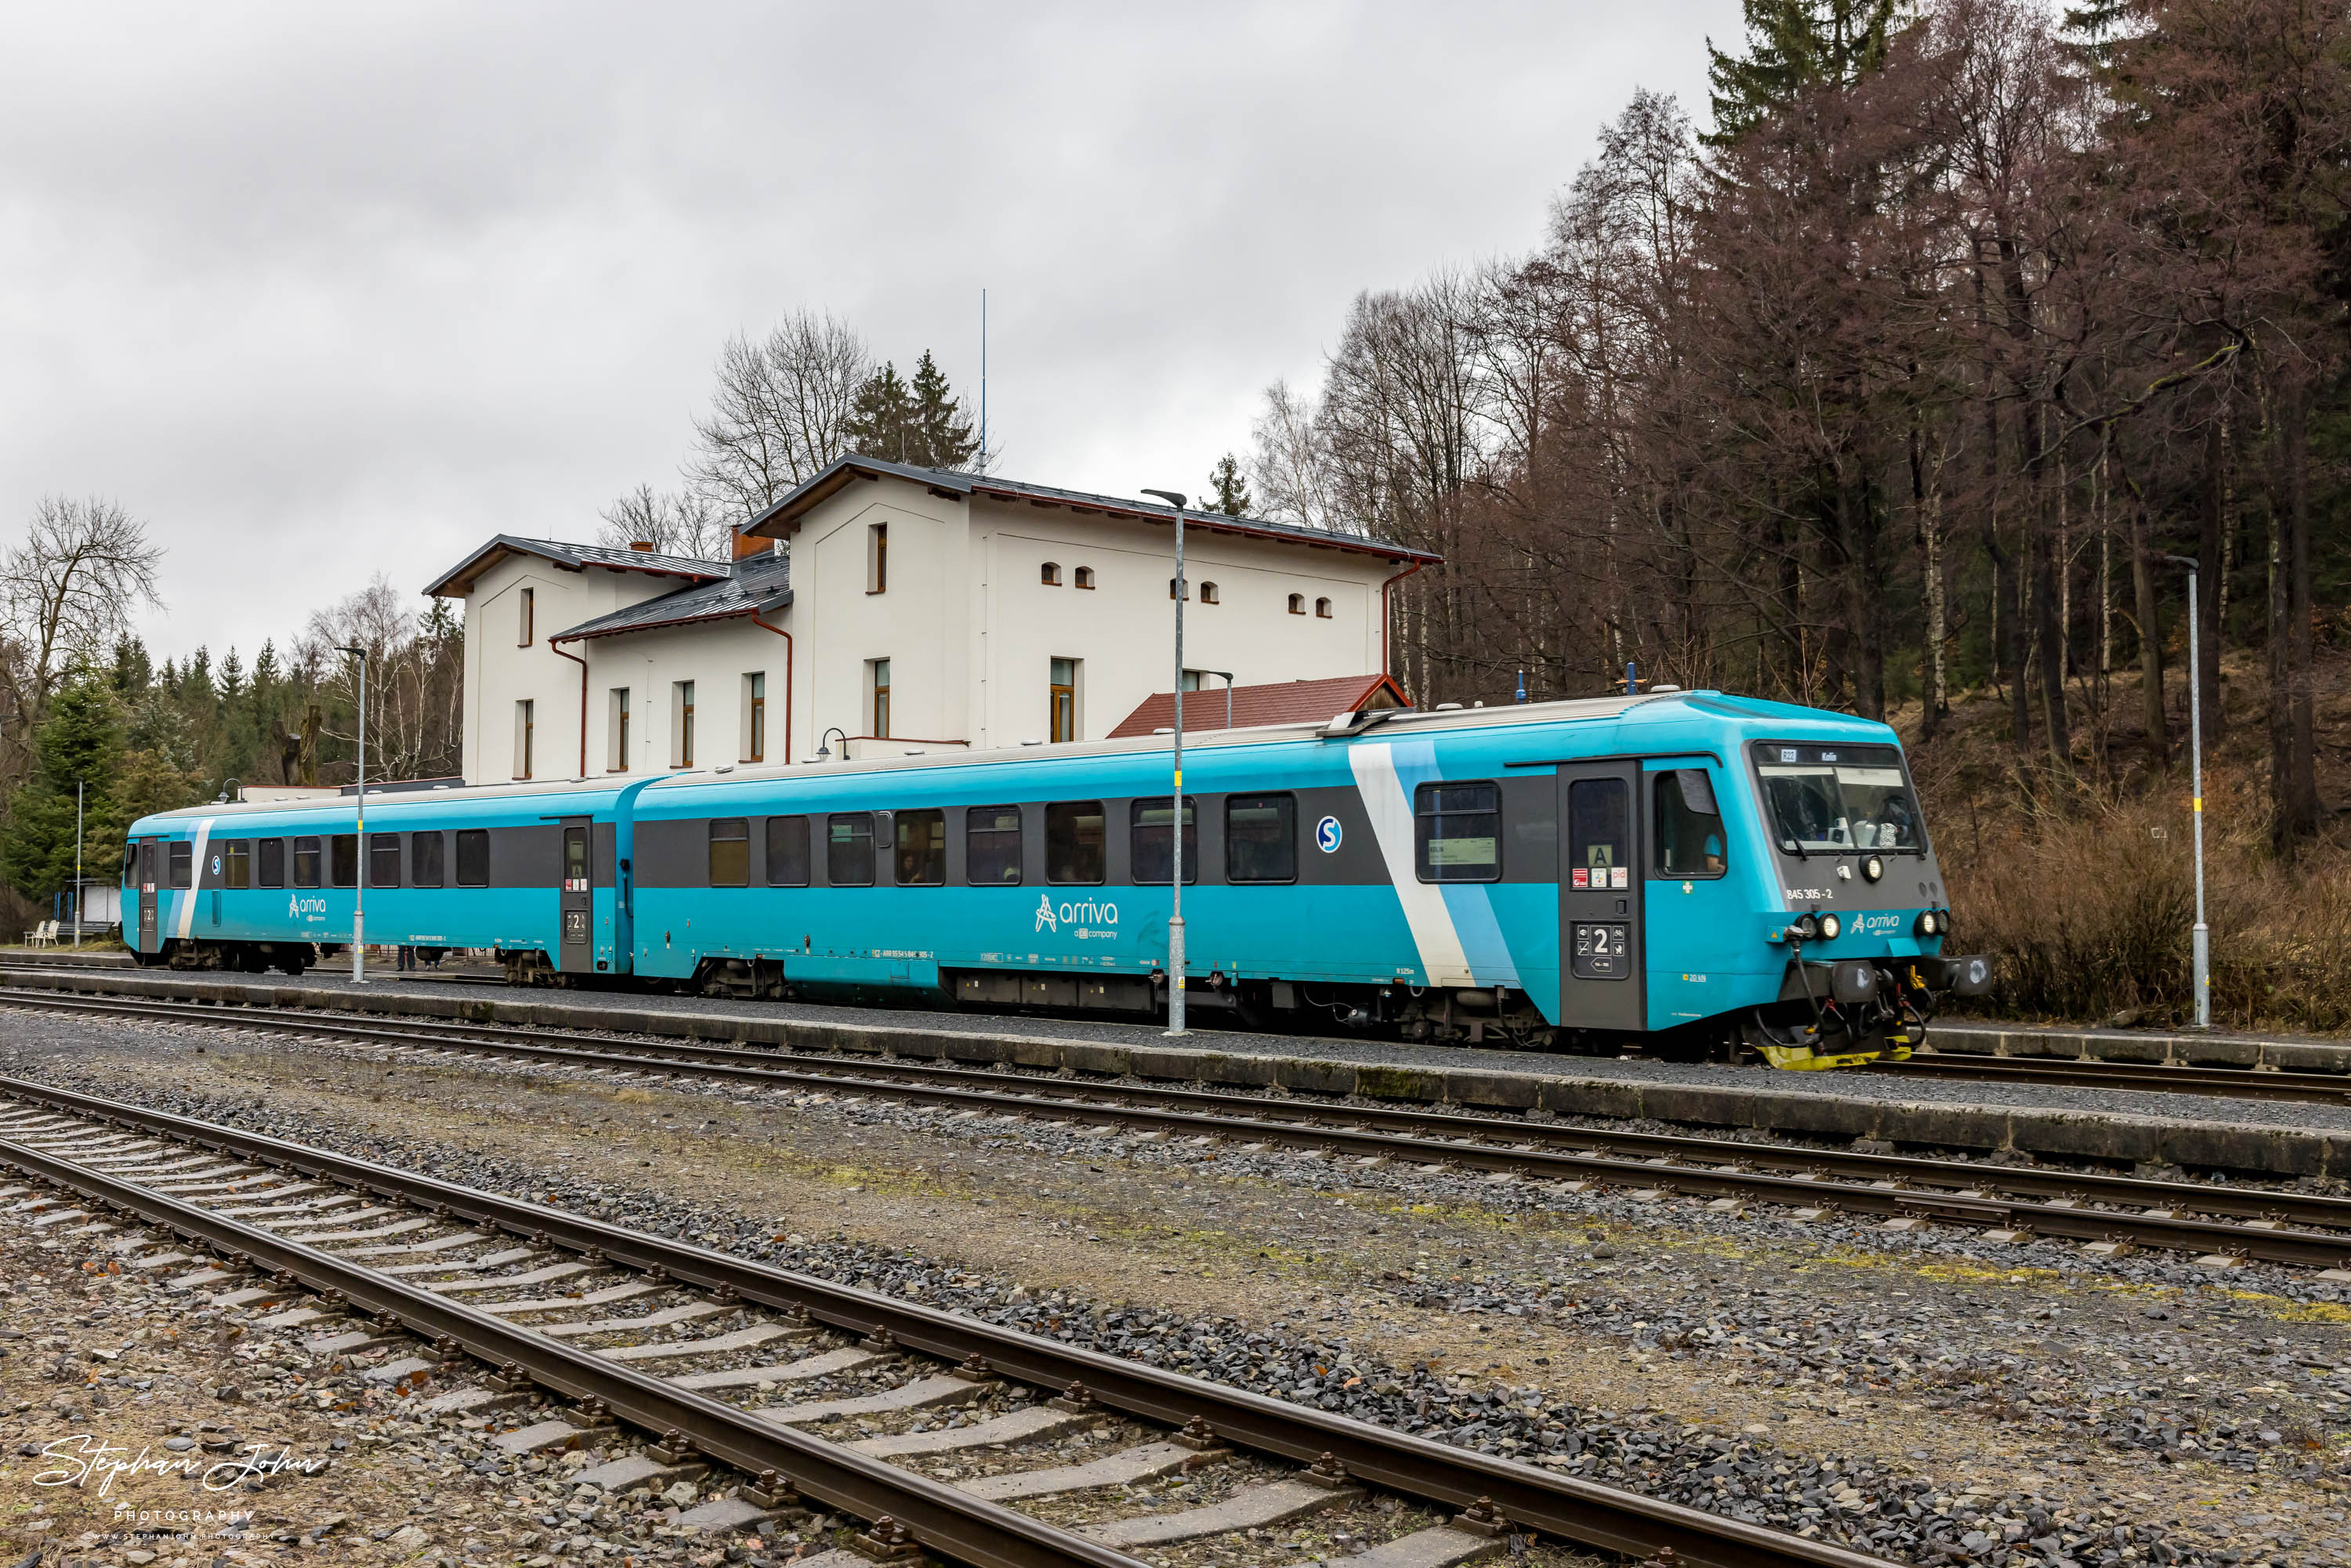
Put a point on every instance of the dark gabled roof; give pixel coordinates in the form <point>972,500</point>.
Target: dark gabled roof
<point>458,580</point>
<point>779,519</point>
<point>1280,702</point>
<point>760,583</point>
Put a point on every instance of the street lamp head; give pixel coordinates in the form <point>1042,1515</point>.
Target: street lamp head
<point>359,653</point>
<point>2189,561</point>
<point>1173,497</point>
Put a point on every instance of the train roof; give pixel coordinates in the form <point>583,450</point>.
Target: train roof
<point>1748,716</point>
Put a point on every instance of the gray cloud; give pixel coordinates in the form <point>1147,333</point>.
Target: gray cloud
<point>321,292</point>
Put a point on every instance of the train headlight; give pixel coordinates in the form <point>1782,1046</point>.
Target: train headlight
<point>1927,924</point>
<point>1829,926</point>
<point>1873,868</point>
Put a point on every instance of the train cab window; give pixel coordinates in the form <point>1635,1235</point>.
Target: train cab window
<point>183,863</point>
<point>991,846</point>
<point>1457,831</point>
<point>424,867</point>
<point>1152,848</point>
<point>343,860</point>
<point>269,870</point>
<point>921,851</point>
<point>383,860</point>
<point>1261,838</point>
<point>849,848</point>
<point>473,858</point>
<point>1689,824</point>
<point>237,864</point>
<point>1599,834</point>
<point>788,857</point>
<point>306,861</point>
<point>730,853</point>
<point>1073,842</point>
<point>131,865</point>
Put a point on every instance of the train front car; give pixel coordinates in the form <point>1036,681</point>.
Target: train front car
<point>1856,902</point>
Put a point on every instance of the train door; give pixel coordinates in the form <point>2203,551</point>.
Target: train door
<point>1601,983</point>
<point>579,949</point>
<point>150,852</point>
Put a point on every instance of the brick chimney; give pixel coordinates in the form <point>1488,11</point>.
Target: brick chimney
<point>748,544</point>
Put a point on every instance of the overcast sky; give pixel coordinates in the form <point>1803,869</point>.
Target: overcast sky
<point>323,291</point>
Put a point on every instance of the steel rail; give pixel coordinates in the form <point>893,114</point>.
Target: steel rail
<point>1582,1511</point>
<point>1949,1190</point>
<point>2152,1078</point>
<point>953,1524</point>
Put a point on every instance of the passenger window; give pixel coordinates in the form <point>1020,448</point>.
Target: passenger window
<point>343,860</point>
<point>130,865</point>
<point>1457,831</point>
<point>271,871</point>
<point>383,860</point>
<point>425,866</point>
<point>788,857</point>
<point>1073,842</point>
<point>1261,838</point>
<point>730,853</point>
<point>1153,848</point>
<point>184,862</point>
<point>849,848</point>
<point>473,858</point>
<point>1690,825</point>
<point>1599,834</point>
<point>922,848</point>
<point>306,861</point>
<point>991,846</point>
<point>236,864</point>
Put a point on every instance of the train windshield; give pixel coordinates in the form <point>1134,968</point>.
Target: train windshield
<point>1833,799</point>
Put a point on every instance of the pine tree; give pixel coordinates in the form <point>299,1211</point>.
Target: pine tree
<point>80,740</point>
<point>881,424</point>
<point>1227,488</point>
<point>1793,44</point>
<point>942,428</point>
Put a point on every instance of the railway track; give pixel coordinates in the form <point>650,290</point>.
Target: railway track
<point>2223,1227</point>
<point>2235,1083</point>
<point>446,1280</point>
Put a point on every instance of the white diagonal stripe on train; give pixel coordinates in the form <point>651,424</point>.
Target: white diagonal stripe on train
<point>195,875</point>
<point>1425,912</point>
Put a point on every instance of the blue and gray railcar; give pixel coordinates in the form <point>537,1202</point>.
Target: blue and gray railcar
<point>1679,874</point>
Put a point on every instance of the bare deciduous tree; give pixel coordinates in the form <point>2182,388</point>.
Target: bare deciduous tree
<point>681,522</point>
<point>415,677</point>
<point>781,414</point>
<point>67,591</point>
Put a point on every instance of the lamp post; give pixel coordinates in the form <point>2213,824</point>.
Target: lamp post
<point>2202,938</point>
<point>78,891</point>
<point>358,838</point>
<point>824,751</point>
<point>1174,499</point>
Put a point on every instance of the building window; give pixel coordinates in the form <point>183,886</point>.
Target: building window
<point>730,853</point>
<point>1458,832</point>
<point>681,733</point>
<point>879,684</point>
<point>1208,593</point>
<point>273,864</point>
<point>1260,838</point>
<point>1064,698</point>
<point>343,860</point>
<point>306,863</point>
<point>616,731</point>
<point>922,848</point>
<point>991,846</point>
<point>1085,576</point>
<point>1298,604</point>
<point>877,558</point>
<point>383,860</point>
<point>523,615</point>
<point>424,860</point>
<point>236,864</point>
<point>754,717</point>
<point>1151,848</point>
<point>526,737</point>
<point>1073,842</point>
<point>473,857</point>
<point>183,861</point>
<point>788,856</point>
<point>1322,609</point>
<point>849,848</point>
<point>1171,589</point>
<point>1049,574</point>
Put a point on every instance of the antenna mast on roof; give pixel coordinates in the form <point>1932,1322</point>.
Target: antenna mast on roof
<point>983,381</point>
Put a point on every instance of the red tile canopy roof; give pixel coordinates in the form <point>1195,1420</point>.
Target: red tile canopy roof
<point>1290,702</point>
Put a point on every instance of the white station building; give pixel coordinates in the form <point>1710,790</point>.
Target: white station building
<point>880,609</point>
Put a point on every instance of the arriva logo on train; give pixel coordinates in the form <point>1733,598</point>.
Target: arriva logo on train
<point>300,908</point>
<point>1085,911</point>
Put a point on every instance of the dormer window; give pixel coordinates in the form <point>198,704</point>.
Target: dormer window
<point>1049,574</point>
